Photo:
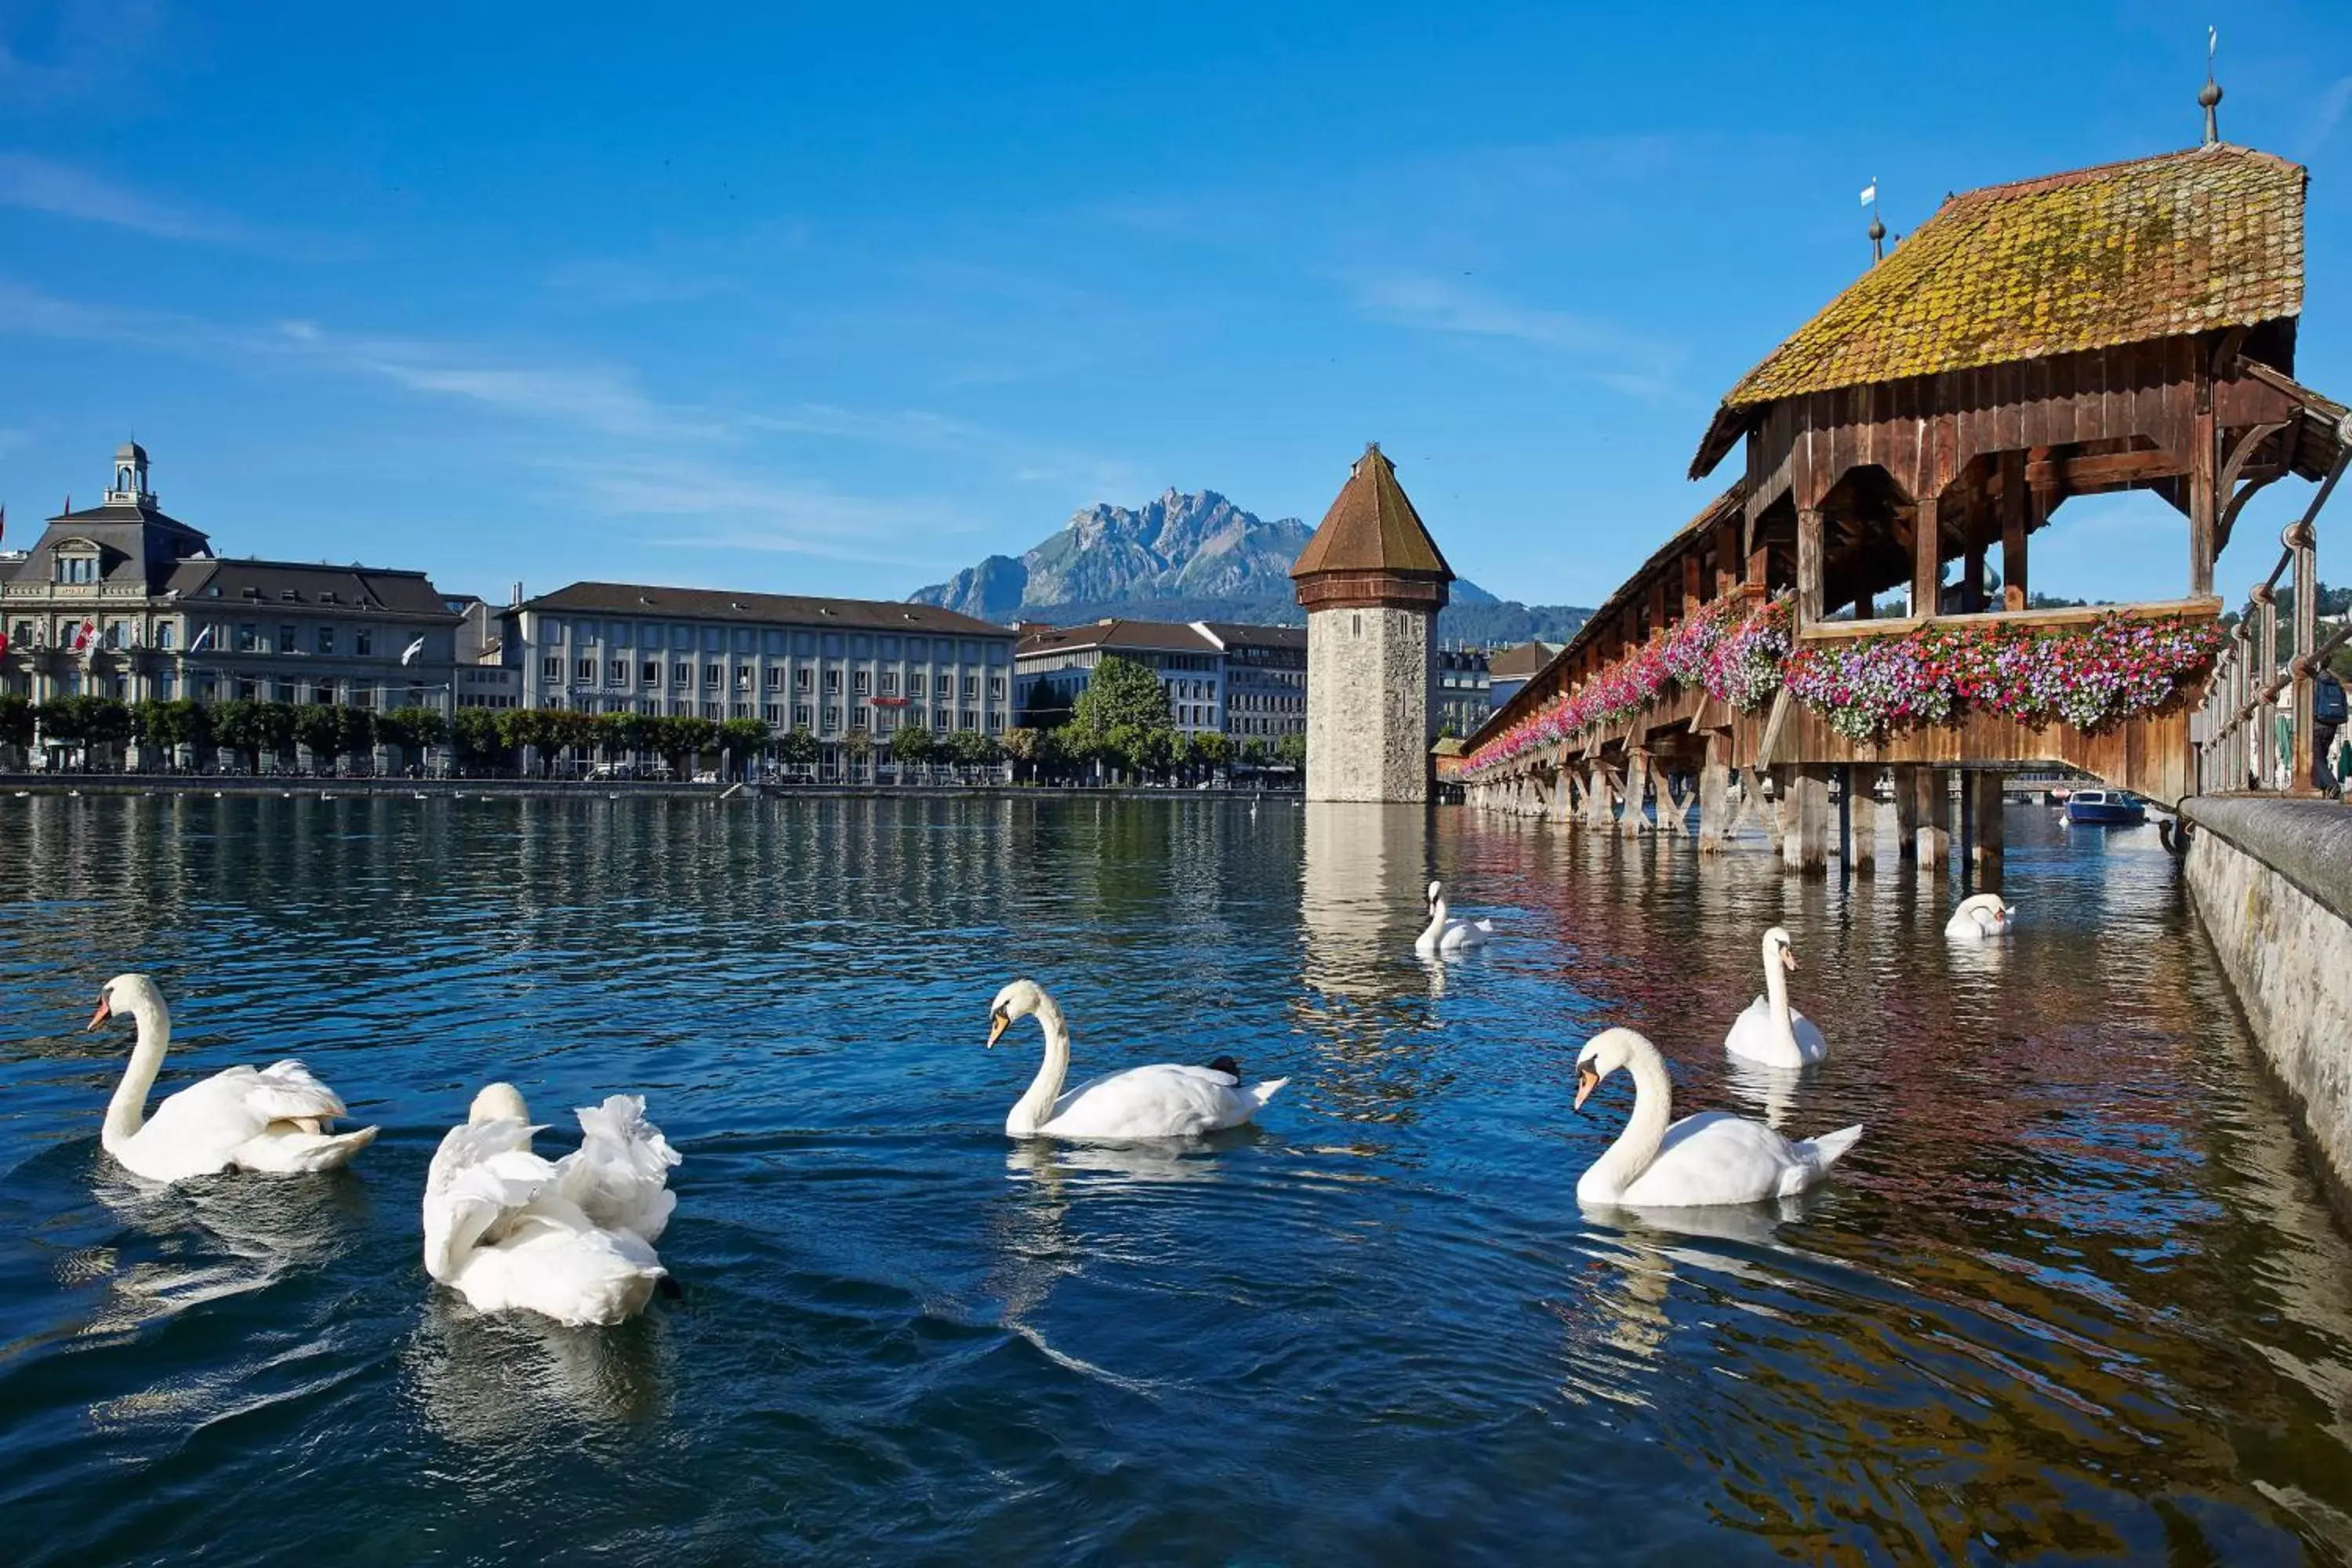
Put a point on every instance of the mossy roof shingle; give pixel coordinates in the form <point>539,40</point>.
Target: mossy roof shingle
<point>2097,258</point>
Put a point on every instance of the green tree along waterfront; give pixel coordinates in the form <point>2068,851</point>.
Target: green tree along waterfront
<point>1126,732</point>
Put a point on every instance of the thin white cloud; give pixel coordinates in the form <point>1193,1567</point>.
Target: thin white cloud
<point>1596,349</point>
<point>2333,105</point>
<point>37,184</point>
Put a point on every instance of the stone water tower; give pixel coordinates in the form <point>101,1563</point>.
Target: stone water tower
<point>1371,582</point>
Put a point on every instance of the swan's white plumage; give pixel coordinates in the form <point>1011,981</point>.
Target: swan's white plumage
<point>1446,935</point>
<point>1164,1100</point>
<point>1709,1158</point>
<point>277,1120</point>
<point>571,1240</point>
<point>1980,918</point>
<point>620,1173</point>
<point>1769,1031</point>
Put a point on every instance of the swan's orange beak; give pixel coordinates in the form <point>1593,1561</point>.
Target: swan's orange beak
<point>1586,1081</point>
<point>1788,959</point>
<point>997,1024</point>
<point>105,1011</point>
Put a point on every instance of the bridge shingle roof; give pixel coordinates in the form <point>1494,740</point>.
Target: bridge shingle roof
<point>2088,260</point>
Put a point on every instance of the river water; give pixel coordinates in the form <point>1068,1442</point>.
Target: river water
<point>2077,1294</point>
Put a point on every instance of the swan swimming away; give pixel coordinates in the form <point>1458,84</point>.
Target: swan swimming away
<point>1770,1031</point>
<point>1448,935</point>
<point>278,1119</point>
<point>1160,1101</point>
<point>1709,1158</point>
<point>571,1240</point>
<point>1980,918</point>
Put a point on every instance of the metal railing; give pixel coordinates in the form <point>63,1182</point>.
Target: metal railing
<point>2246,739</point>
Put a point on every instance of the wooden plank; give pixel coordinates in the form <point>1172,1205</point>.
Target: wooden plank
<point>1810,605</point>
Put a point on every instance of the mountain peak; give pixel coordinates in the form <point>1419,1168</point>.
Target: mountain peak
<point>1184,555</point>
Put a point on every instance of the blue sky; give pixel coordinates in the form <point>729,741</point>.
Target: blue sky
<point>839,298</point>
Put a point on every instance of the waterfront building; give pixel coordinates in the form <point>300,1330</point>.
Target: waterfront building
<point>1222,676</point>
<point>1265,677</point>
<point>1372,581</point>
<point>1509,669</point>
<point>121,600</point>
<point>834,668</point>
<point>1459,690</point>
<point>483,677</point>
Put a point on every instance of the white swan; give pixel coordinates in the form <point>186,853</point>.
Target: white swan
<point>1709,1158</point>
<point>569,1239</point>
<point>1445,935</point>
<point>1770,1031</point>
<point>1158,1101</point>
<point>278,1119</point>
<point>1980,919</point>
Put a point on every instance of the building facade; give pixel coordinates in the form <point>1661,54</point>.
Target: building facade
<point>120,600</point>
<point>1372,583</point>
<point>1459,690</point>
<point>832,666</point>
<point>1507,670</point>
<point>1222,678</point>
<point>1265,677</point>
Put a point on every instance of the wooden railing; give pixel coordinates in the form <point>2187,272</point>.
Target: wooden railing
<point>2237,736</point>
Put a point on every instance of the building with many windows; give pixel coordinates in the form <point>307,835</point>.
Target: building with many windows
<point>119,600</point>
<point>1265,679</point>
<point>1220,676</point>
<point>1459,688</point>
<point>832,666</point>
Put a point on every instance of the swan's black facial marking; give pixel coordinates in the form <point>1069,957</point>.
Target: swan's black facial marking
<point>1227,1065</point>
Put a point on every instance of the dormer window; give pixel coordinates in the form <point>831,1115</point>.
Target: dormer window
<point>289,596</point>
<point>76,562</point>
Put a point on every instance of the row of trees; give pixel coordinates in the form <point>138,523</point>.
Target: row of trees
<point>1120,723</point>
<point>251,729</point>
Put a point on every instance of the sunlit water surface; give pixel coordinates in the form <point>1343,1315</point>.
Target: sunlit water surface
<point>2076,1295</point>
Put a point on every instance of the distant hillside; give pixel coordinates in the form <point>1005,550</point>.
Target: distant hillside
<point>1194,557</point>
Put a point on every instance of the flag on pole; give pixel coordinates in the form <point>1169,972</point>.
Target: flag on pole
<point>1870,193</point>
<point>408,655</point>
<point>204,641</point>
<point>3,520</point>
<point>82,636</point>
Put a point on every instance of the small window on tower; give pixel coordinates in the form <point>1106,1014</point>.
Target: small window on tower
<point>1355,625</point>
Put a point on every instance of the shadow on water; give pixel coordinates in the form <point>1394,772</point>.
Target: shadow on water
<point>2075,1295</point>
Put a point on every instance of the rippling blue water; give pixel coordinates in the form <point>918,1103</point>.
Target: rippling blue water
<point>2077,1294</point>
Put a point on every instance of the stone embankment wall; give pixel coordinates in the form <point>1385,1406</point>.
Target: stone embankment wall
<point>2272,880</point>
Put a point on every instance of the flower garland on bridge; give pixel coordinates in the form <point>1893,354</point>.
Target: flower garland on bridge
<point>2089,677</point>
<point>1734,651</point>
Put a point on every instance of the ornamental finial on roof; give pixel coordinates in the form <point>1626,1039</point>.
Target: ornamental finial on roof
<point>2210,95</point>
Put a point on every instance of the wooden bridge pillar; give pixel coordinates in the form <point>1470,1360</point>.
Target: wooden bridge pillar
<point>1713,793</point>
<point>1596,796</point>
<point>1984,788</point>
<point>1934,809</point>
<point>1907,812</point>
<point>1809,808</point>
<point>1861,810</point>
<point>1637,786</point>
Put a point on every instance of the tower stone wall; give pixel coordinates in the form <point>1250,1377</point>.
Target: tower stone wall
<point>1369,714</point>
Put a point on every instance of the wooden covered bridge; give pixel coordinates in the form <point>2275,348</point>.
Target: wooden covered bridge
<point>2124,327</point>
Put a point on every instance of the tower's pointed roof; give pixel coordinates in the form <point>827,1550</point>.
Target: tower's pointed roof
<point>1372,527</point>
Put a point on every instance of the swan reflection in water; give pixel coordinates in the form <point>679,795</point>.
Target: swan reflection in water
<point>1643,1252</point>
<point>1773,1092</point>
<point>504,1377</point>
<point>200,1240</point>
